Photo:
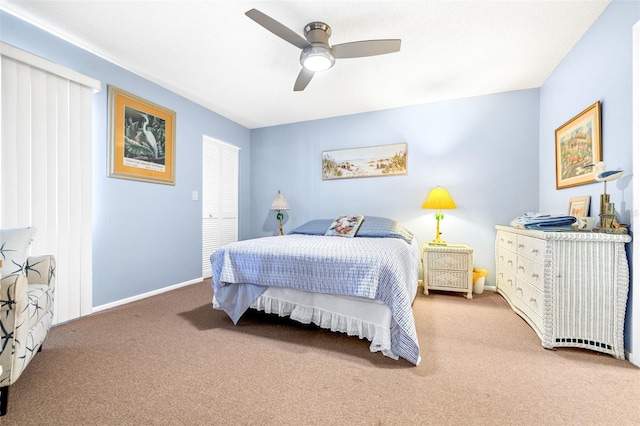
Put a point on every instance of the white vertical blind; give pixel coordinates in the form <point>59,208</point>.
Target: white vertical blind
<point>219,197</point>
<point>45,168</point>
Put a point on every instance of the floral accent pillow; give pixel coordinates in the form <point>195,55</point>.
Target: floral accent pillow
<point>345,226</point>
<point>14,247</point>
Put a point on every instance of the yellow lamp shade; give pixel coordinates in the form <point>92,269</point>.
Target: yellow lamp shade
<point>438,199</point>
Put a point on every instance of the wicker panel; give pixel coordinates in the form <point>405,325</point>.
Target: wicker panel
<point>583,297</point>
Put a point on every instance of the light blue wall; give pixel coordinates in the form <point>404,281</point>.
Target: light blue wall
<point>484,150</point>
<point>145,236</point>
<point>598,68</point>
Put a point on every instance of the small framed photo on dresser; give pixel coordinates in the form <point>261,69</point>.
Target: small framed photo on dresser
<point>579,206</point>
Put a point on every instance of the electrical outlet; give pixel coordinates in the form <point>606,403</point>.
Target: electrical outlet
<point>194,195</point>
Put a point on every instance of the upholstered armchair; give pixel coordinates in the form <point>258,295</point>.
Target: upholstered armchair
<point>26,305</point>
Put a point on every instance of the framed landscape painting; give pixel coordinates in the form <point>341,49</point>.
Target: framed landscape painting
<point>372,161</point>
<point>142,139</point>
<point>578,148</point>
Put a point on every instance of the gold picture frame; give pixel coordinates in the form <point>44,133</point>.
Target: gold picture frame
<point>579,206</point>
<point>578,148</point>
<point>142,139</point>
<point>371,161</point>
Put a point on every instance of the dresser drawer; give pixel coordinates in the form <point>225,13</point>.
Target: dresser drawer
<point>507,260</point>
<point>507,240</point>
<point>506,282</point>
<point>533,299</point>
<point>531,248</point>
<point>531,271</point>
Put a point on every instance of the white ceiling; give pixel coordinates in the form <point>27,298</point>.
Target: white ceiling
<point>211,53</point>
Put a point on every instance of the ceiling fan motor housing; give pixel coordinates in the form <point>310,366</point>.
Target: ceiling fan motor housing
<point>318,56</point>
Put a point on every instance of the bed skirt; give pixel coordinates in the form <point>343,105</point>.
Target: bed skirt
<point>356,316</point>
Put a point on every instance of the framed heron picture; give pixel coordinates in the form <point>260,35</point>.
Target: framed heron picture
<point>142,139</point>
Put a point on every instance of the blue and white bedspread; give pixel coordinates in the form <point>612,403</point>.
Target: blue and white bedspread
<point>374,268</point>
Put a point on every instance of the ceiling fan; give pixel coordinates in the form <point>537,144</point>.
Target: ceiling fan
<point>317,55</point>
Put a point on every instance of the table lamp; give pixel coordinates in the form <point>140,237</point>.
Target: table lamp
<point>438,199</point>
<point>279,203</point>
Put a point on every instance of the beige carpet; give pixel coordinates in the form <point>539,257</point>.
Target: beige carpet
<point>173,360</point>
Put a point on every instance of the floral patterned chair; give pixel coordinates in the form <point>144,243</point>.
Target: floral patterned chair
<point>27,287</point>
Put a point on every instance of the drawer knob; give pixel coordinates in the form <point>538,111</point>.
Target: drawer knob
<point>534,250</point>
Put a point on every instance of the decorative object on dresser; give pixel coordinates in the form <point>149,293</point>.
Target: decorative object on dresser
<point>448,267</point>
<point>438,199</point>
<point>608,221</point>
<point>578,145</point>
<point>570,287</point>
<point>278,204</point>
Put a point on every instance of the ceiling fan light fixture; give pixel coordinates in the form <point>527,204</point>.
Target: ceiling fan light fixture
<point>317,58</point>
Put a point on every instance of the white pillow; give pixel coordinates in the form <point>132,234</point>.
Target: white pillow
<point>14,247</point>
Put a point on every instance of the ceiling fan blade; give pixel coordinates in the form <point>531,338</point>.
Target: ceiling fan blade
<point>303,79</point>
<point>359,49</point>
<point>277,28</point>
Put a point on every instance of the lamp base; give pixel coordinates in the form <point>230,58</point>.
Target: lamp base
<point>437,241</point>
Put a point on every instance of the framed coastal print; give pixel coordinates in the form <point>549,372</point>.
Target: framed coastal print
<point>578,148</point>
<point>141,140</point>
<point>371,161</point>
<point>579,206</point>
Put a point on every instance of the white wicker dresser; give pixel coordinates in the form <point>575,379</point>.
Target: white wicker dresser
<point>571,287</point>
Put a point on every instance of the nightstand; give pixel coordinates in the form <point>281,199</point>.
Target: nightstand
<point>448,267</point>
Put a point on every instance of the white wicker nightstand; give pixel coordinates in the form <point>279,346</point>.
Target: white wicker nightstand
<point>448,268</point>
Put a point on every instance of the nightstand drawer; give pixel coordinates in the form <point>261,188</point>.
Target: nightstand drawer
<point>448,261</point>
<point>447,279</point>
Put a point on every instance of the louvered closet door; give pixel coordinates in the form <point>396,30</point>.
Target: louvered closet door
<point>219,198</point>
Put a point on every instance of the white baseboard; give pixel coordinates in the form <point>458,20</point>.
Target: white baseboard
<point>144,295</point>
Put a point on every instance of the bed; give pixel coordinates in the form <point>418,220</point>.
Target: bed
<point>362,284</point>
